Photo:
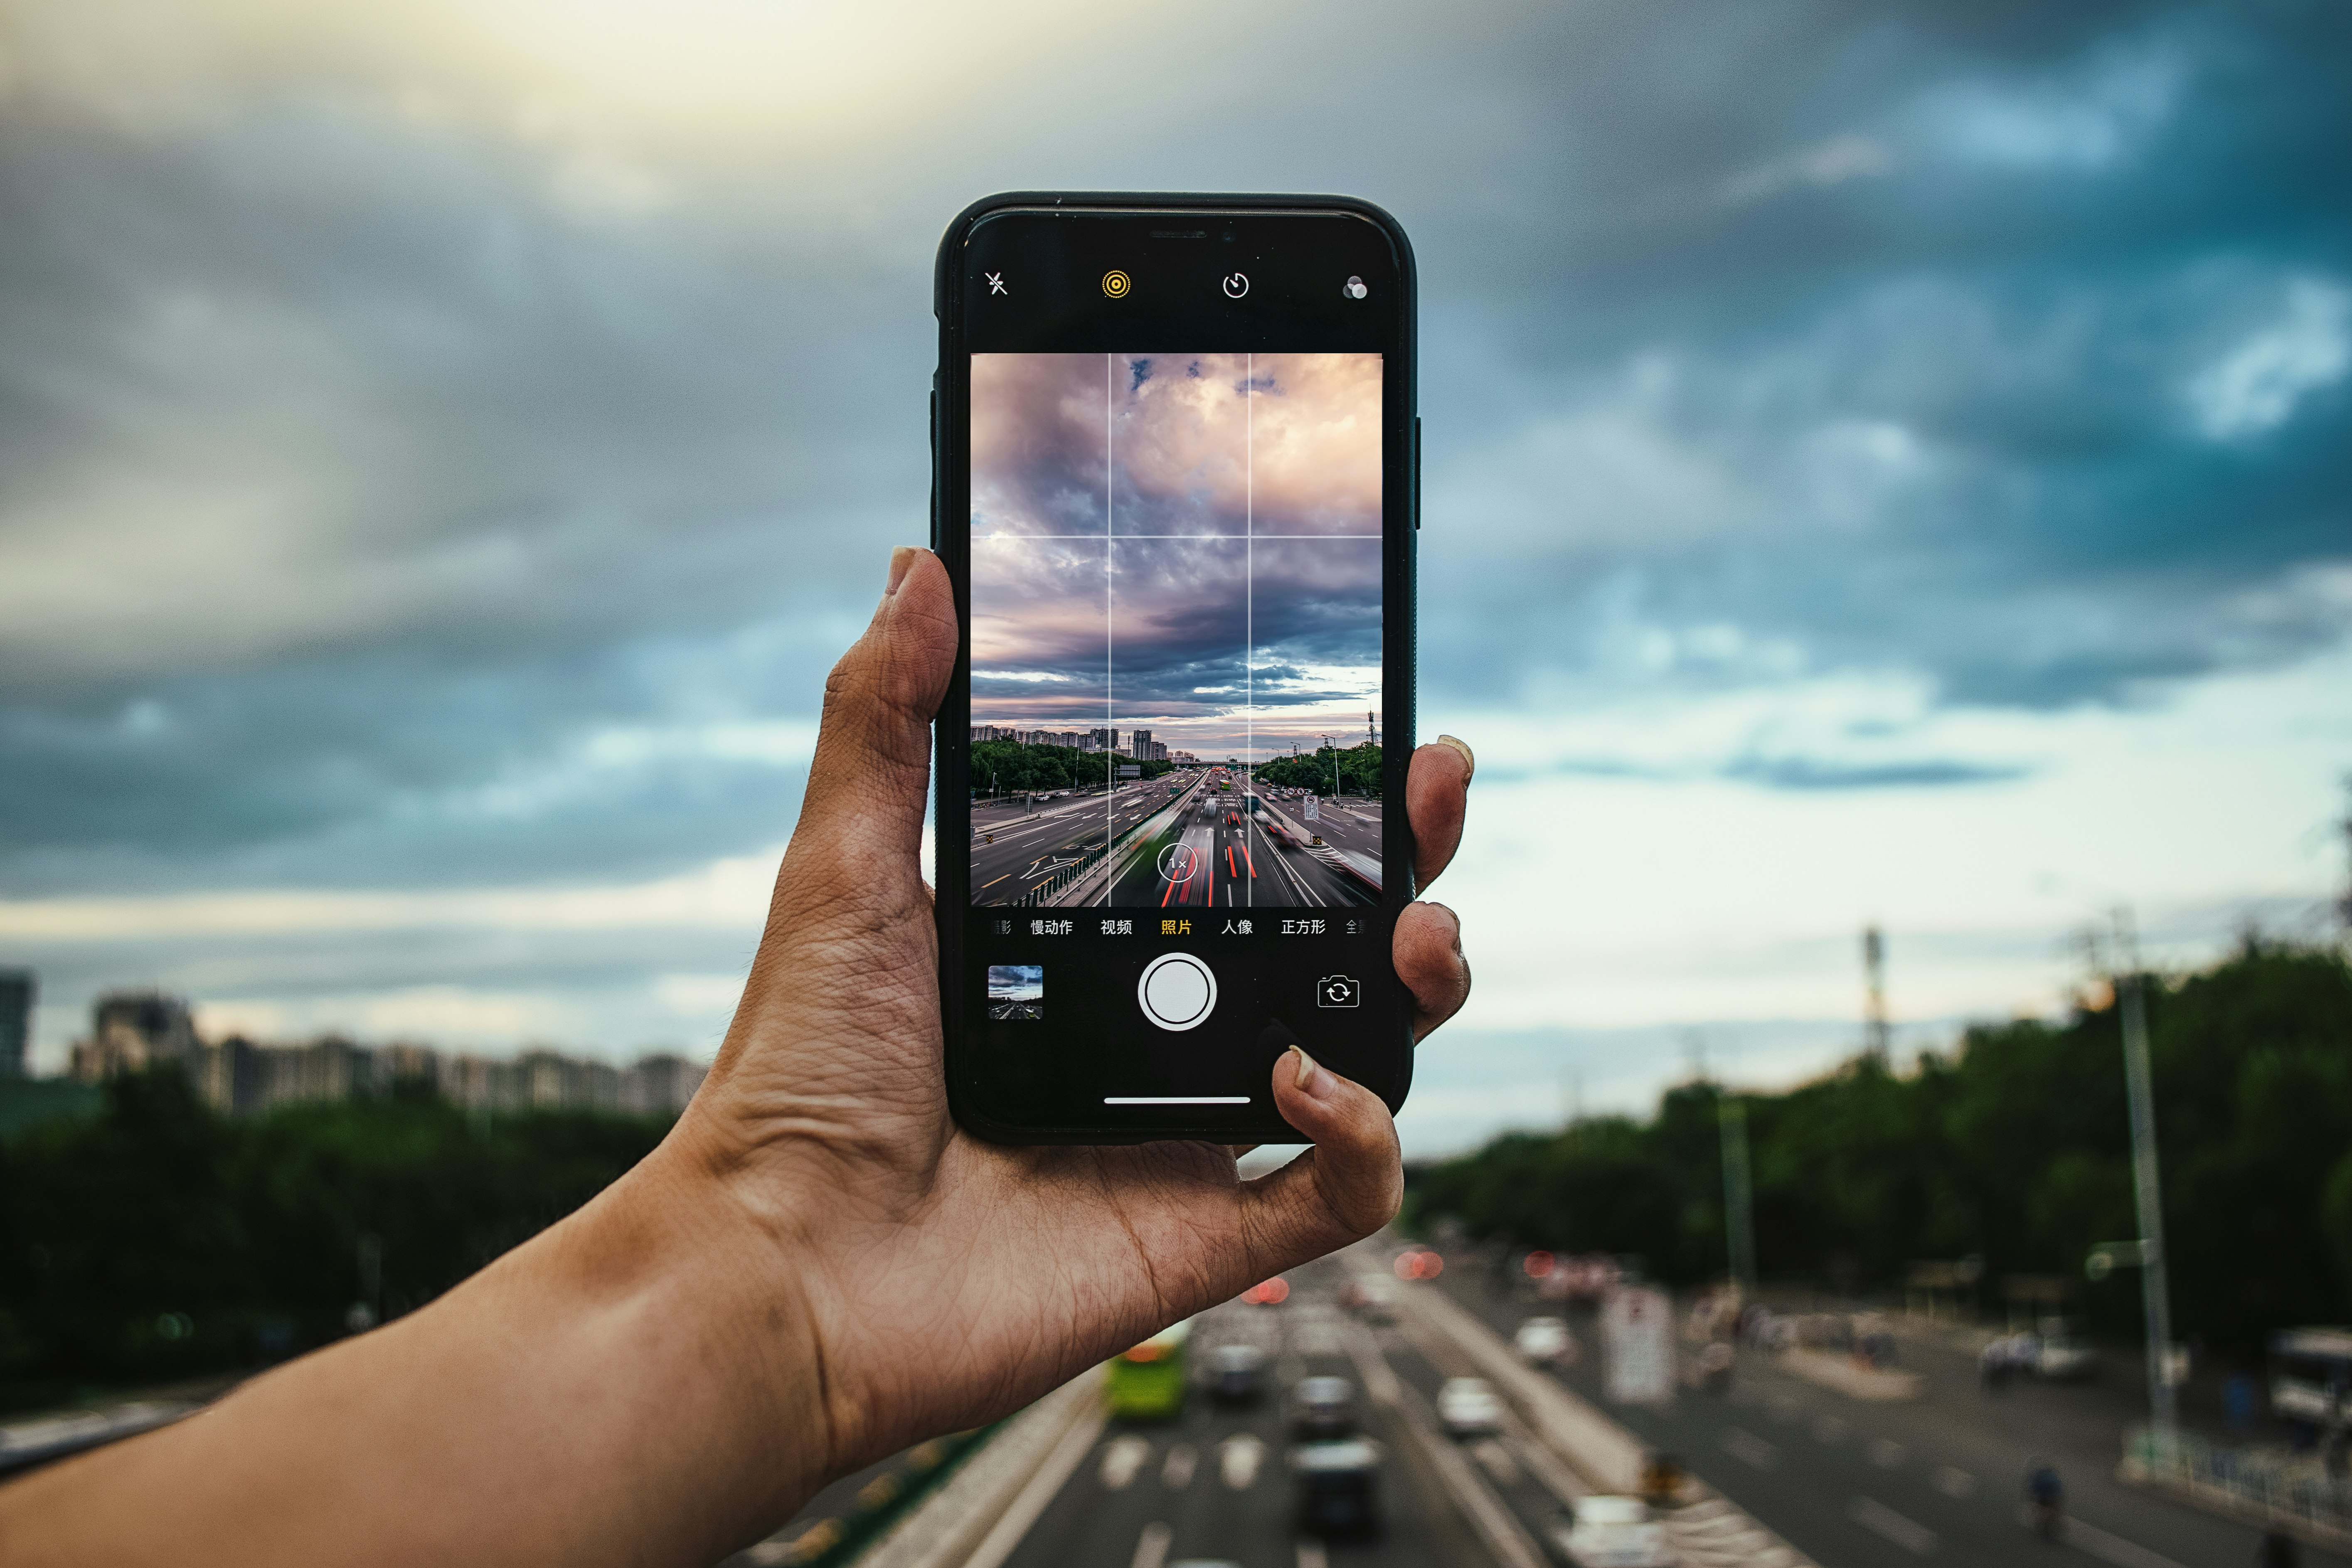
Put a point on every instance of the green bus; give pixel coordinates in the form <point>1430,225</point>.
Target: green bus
<point>1148,1382</point>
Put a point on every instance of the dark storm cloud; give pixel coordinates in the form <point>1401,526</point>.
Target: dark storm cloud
<point>348,464</point>
<point>1181,619</point>
<point>1812,774</point>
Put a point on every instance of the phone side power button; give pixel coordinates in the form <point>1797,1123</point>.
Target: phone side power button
<point>1177,991</point>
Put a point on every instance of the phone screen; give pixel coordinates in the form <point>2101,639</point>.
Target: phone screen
<point>1166,782</point>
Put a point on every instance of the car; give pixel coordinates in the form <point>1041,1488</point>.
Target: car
<point>1370,1299</point>
<point>1323,1408</point>
<point>1236,1374</point>
<point>1544,1341</point>
<point>1336,1488</point>
<point>1610,1533</point>
<point>1469,1407</point>
<point>2059,1356</point>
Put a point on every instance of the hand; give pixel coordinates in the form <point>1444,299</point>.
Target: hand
<point>946,1281</point>
<point>815,1267</point>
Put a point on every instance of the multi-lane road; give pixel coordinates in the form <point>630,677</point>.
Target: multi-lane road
<point>1216,1484</point>
<point>1795,1469</point>
<point>1017,846</point>
<point>1216,854</point>
<point>1863,1484</point>
<point>1210,853</point>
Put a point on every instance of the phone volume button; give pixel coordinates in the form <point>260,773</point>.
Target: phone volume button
<point>1416,467</point>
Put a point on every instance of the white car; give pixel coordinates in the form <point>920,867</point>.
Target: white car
<point>1611,1533</point>
<point>1469,1407</point>
<point>1544,1341</point>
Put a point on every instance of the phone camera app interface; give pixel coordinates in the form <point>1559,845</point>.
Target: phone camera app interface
<point>1176,585</point>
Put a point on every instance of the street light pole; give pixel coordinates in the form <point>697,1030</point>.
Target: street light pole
<point>2146,1188</point>
<point>1738,1203</point>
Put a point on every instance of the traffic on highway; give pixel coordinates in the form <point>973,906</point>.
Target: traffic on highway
<point>1394,1405</point>
<point>1194,839</point>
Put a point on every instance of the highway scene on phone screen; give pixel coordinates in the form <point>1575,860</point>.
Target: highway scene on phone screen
<point>1210,838</point>
<point>1230,843</point>
<point>1176,618</point>
<point>1476,1406</point>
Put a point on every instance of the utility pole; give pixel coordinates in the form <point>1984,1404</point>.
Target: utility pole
<point>1876,1032</point>
<point>1738,1199</point>
<point>1335,767</point>
<point>2344,904</point>
<point>2131,1002</point>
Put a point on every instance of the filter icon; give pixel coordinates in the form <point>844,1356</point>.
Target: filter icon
<point>1116,284</point>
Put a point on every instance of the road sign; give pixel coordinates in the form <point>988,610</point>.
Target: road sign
<point>1637,1342</point>
<point>1130,770</point>
<point>1309,813</point>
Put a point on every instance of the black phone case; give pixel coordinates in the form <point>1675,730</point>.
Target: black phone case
<point>1398,672</point>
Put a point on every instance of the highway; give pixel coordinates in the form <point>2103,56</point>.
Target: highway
<point>1214,855</point>
<point>1215,1484</point>
<point>1210,856</point>
<point>1846,1484</point>
<point>1016,848</point>
<point>1857,1484</point>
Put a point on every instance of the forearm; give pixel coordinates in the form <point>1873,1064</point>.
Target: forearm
<point>630,1386</point>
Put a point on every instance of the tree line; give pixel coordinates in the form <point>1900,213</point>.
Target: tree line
<point>1000,767</point>
<point>2013,1148</point>
<point>1359,766</point>
<point>153,1238</point>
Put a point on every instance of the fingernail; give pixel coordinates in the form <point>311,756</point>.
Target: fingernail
<point>902,558</point>
<point>1462,746</point>
<point>1311,1079</point>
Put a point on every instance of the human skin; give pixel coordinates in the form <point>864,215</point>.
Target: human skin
<point>815,1267</point>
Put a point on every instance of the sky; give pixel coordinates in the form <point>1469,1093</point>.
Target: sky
<point>1881,465</point>
<point>1184,546</point>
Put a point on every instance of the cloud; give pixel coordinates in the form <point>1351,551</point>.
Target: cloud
<point>443,447</point>
<point>1809,773</point>
<point>2258,384</point>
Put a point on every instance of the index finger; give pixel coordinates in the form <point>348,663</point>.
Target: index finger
<point>1437,797</point>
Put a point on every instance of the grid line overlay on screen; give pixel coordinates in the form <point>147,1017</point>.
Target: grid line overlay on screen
<point>1169,682</point>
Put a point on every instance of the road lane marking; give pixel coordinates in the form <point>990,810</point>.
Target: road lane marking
<point>1884,1522</point>
<point>1238,1459</point>
<point>1121,1458</point>
<point>1498,1462</point>
<point>992,884</point>
<point>1176,1473</point>
<point>1041,1488</point>
<point>2099,1543</point>
<point>1953,1482</point>
<point>1887,1453</point>
<point>1151,1546</point>
<point>1748,1449</point>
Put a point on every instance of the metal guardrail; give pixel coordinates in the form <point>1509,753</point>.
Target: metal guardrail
<point>2253,1484</point>
<point>1044,893</point>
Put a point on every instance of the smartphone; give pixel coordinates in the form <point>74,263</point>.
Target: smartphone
<point>1175,482</point>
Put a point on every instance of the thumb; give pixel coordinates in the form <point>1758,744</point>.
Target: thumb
<point>1344,1189</point>
<point>861,822</point>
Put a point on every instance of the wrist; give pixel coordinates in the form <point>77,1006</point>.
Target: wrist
<point>716,1305</point>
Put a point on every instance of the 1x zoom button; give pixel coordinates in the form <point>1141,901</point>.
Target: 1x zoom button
<point>1177,991</point>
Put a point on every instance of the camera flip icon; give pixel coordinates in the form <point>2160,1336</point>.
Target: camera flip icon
<point>1338,991</point>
